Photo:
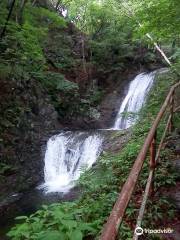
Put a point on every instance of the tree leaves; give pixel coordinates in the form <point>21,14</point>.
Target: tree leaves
<point>76,235</point>
<point>51,235</point>
<point>54,222</point>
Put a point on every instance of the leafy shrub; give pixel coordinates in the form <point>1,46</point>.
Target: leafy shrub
<point>55,81</point>
<point>54,222</point>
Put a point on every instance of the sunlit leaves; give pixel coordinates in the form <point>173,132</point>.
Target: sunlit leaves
<point>160,17</point>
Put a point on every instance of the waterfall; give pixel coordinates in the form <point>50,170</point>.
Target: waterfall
<point>134,100</point>
<point>70,153</point>
<point>67,155</point>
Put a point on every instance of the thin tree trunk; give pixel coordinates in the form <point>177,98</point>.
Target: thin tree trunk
<point>34,2</point>
<point>57,4</point>
<point>131,13</point>
<point>22,5</point>
<point>83,55</point>
<point>7,20</point>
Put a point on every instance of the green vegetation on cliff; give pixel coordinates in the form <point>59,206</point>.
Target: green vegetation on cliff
<point>37,42</point>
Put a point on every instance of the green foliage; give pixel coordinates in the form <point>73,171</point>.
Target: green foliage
<point>62,222</point>
<point>23,44</point>
<point>156,212</point>
<point>44,41</point>
<point>5,168</point>
<point>29,52</point>
<point>160,17</point>
<point>126,232</point>
<point>51,19</point>
<point>101,186</point>
<point>109,30</point>
<point>56,81</point>
<point>3,13</point>
<point>24,53</point>
<point>5,70</point>
<point>94,96</point>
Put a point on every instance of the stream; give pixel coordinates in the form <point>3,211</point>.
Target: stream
<point>69,153</point>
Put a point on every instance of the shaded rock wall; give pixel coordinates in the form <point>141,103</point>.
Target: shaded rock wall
<point>26,118</point>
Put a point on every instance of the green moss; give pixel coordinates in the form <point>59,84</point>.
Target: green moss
<point>4,168</point>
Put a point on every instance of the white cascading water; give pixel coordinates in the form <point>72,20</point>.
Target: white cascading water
<point>67,155</point>
<point>134,100</point>
<point>70,153</point>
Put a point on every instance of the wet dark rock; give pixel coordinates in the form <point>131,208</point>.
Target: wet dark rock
<point>118,138</point>
<point>10,199</point>
<point>20,146</point>
<point>177,151</point>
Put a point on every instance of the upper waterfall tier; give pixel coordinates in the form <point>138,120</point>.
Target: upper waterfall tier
<point>134,100</point>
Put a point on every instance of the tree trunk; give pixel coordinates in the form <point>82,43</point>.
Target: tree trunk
<point>57,4</point>
<point>7,20</point>
<point>33,3</point>
<point>83,56</point>
<point>20,17</point>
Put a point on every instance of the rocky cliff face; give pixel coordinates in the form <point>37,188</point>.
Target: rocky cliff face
<point>28,110</point>
<point>26,118</point>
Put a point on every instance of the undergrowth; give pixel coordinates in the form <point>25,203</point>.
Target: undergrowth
<point>85,217</point>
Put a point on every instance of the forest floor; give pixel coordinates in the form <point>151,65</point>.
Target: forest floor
<point>172,145</point>
<point>173,192</point>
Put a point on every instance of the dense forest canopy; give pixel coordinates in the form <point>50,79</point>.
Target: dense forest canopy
<point>160,17</point>
<point>31,45</point>
<point>105,22</point>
